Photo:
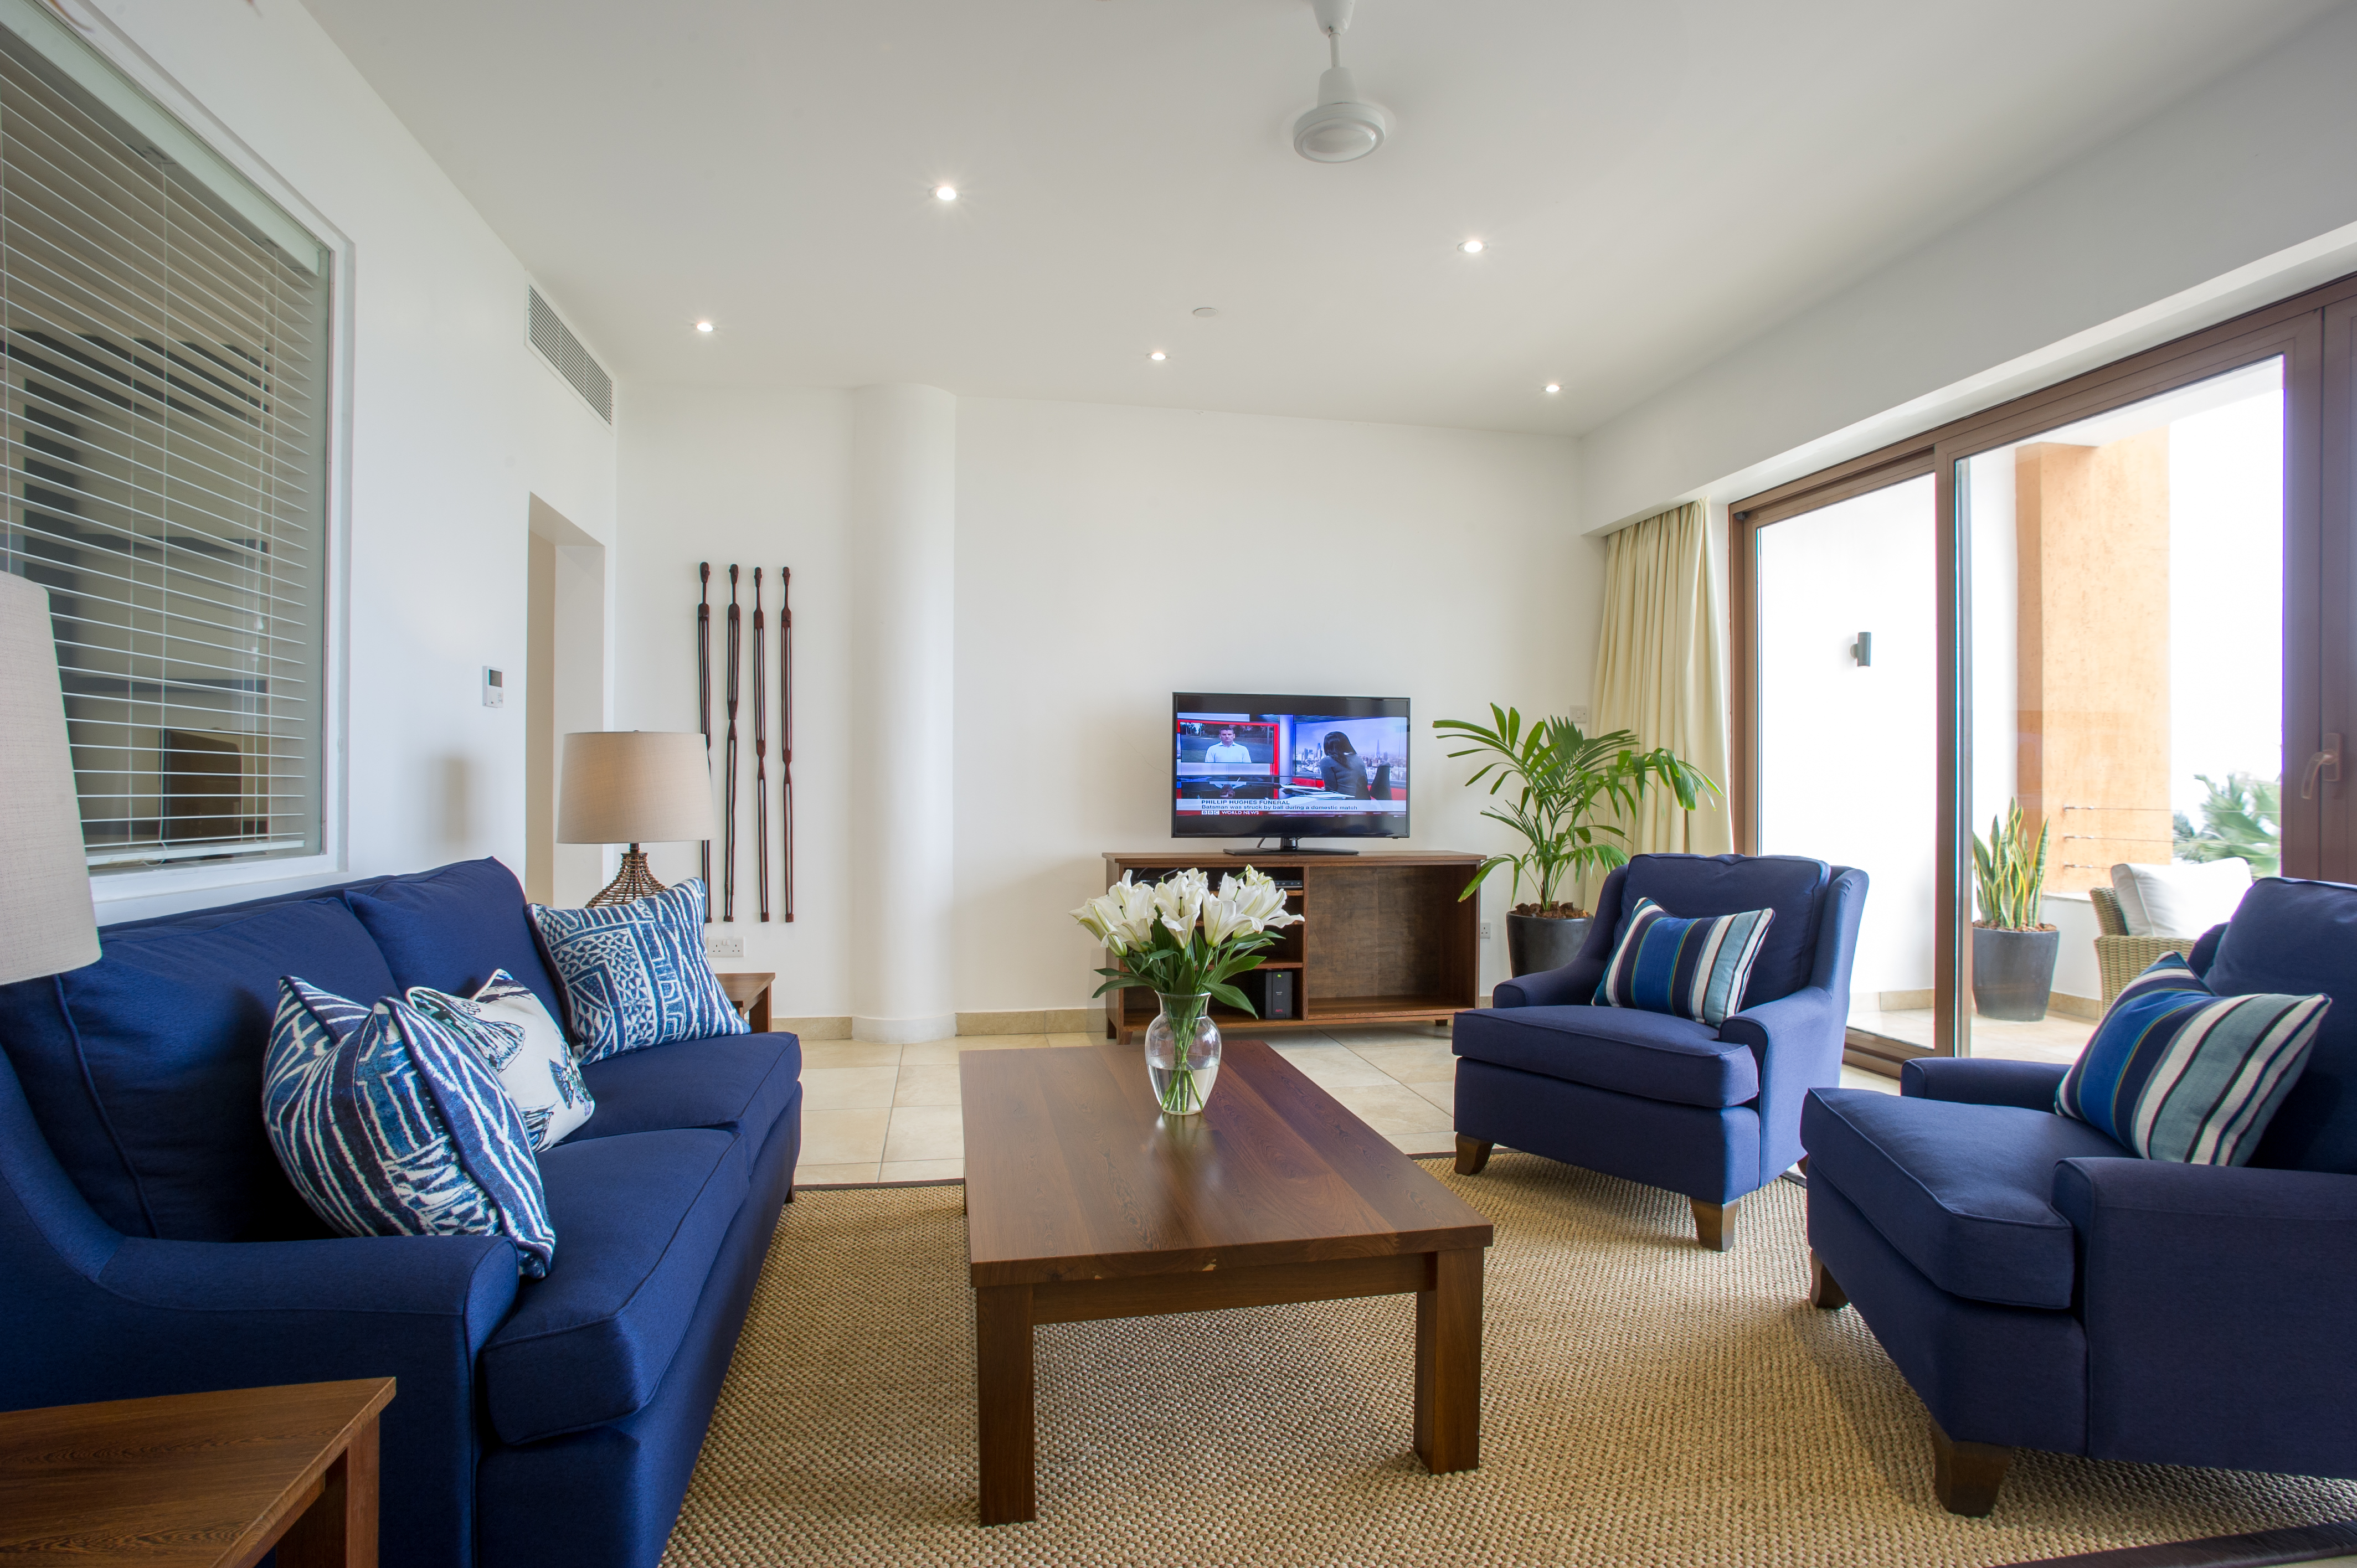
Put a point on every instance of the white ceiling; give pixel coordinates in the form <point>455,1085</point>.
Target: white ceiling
<point>1656,179</point>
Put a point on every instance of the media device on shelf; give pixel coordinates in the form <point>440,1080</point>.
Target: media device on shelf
<point>1250,765</point>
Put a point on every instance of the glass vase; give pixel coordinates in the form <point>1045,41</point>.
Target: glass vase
<point>1182,1053</point>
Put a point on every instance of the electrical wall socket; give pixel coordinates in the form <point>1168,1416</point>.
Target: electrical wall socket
<point>1579,717</point>
<point>724,947</point>
<point>1485,930</point>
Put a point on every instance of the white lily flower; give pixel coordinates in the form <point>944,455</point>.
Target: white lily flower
<point>1224,915</point>
<point>1122,916</point>
<point>1180,902</point>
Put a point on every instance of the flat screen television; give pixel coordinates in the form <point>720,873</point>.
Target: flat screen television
<point>1250,765</point>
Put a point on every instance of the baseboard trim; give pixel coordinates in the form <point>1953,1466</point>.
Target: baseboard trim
<point>813,1028</point>
<point>903,1031</point>
<point>1039,1021</point>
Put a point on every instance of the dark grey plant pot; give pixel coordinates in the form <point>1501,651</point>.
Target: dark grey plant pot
<point>1537,942</point>
<point>2013,973</point>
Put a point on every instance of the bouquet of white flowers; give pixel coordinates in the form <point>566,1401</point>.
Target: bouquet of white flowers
<point>1187,943</point>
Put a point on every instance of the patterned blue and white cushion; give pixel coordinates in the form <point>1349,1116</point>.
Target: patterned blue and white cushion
<point>389,1124</point>
<point>2177,1072</point>
<point>1689,969</point>
<point>635,975</point>
<point>527,1051</point>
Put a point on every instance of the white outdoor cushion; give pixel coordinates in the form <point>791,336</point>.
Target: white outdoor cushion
<point>2180,900</point>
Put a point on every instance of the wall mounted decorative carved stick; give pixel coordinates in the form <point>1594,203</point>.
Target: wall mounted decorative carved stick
<point>761,756</point>
<point>786,730</point>
<point>704,704</point>
<point>728,793</point>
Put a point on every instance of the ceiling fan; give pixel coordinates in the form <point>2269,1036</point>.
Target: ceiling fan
<point>1343,126</point>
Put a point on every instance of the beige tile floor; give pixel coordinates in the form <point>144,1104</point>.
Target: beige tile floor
<point>890,1112</point>
<point>2056,1037</point>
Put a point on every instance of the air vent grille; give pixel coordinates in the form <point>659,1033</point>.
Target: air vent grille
<point>561,349</point>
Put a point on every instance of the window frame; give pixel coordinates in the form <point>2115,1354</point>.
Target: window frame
<point>125,895</point>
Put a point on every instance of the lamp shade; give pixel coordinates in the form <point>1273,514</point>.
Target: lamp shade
<point>47,921</point>
<point>634,787</point>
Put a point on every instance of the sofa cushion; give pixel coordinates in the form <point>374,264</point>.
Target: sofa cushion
<point>739,1082</point>
<point>2295,937</point>
<point>1649,1054</point>
<point>1959,1190</point>
<point>1689,969</point>
<point>642,1217</point>
<point>390,1122</point>
<point>636,974</point>
<point>2176,1072</point>
<point>449,927</point>
<point>1688,885</point>
<point>144,1069</point>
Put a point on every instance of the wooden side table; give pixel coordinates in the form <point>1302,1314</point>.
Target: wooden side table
<point>749,990</point>
<point>212,1480</point>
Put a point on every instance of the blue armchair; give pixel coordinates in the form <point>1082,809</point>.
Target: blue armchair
<point>2041,1287</point>
<point>1713,1113</point>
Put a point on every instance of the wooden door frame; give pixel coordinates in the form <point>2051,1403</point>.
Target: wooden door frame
<point>2318,840</point>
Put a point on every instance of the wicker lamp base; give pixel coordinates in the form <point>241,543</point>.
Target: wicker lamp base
<point>633,883</point>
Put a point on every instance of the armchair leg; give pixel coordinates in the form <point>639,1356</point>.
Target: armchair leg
<point>1824,1290</point>
<point>1965,1476</point>
<point>1714,1223</point>
<point>1472,1154</point>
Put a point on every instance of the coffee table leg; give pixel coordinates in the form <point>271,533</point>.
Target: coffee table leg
<point>1003,1395</point>
<point>339,1530</point>
<point>1449,1363</point>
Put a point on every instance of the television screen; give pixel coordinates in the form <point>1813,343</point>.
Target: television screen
<point>1253,766</point>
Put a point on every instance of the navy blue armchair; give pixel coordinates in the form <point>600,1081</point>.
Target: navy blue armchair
<point>1712,1113</point>
<point>2041,1287</point>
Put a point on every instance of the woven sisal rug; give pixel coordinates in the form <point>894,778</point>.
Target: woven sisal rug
<point>1644,1401</point>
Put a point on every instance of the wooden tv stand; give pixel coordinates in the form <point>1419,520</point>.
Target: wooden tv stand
<point>1383,938</point>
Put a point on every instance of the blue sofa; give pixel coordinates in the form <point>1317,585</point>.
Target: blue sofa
<point>1712,1113</point>
<point>2041,1287</point>
<point>149,1243</point>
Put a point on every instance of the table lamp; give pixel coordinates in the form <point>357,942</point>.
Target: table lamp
<point>47,924</point>
<point>634,787</point>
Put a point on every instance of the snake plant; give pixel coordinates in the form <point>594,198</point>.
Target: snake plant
<point>2010,872</point>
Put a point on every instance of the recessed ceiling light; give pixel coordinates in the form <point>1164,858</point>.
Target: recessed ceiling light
<point>945,192</point>
<point>1472,247</point>
<point>1157,354</point>
<point>704,327</point>
<point>1554,386</point>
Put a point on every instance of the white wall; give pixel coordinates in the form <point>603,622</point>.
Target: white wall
<point>1105,557</point>
<point>2235,195</point>
<point>455,425</point>
<point>1108,556</point>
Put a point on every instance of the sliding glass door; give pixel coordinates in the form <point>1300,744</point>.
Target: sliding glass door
<point>2121,611</point>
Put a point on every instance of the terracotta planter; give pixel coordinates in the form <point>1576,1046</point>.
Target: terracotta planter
<point>1537,942</point>
<point>2013,973</point>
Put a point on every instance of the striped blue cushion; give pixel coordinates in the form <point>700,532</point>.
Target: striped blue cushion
<point>1688,968</point>
<point>2177,1072</point>
<point>635,975</point>
<point>529,1053</point>
<point>389,1124</point>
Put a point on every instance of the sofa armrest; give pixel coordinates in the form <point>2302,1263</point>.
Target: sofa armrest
<point>1573,985</point>
<point>2028,1086</point>
<point>1810,1013</point>
<point>191,1316</point>
<point>2216,1302</point>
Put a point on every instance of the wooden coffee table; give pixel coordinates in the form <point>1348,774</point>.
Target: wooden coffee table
<point>1082,1202</point>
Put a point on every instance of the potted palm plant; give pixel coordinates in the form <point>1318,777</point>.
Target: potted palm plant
<point>1564,780</point>
<point>2013,949</point>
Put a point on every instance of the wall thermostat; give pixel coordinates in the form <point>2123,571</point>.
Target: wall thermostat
<point>495,687</point>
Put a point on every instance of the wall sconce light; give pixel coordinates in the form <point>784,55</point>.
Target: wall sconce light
<point>1863,649</point>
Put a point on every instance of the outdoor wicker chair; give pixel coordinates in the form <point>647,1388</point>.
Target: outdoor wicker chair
<point>2119,956</point>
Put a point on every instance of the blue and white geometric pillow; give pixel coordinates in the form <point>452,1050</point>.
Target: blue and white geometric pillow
<point>389,1124</point>
<point>635,975</point>
<point>525,1047</point>
<point>2175,1071</point>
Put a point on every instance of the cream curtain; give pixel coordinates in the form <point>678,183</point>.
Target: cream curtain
<point>1658,671</point>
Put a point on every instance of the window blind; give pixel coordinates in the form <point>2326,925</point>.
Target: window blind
<point>163,439</point>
